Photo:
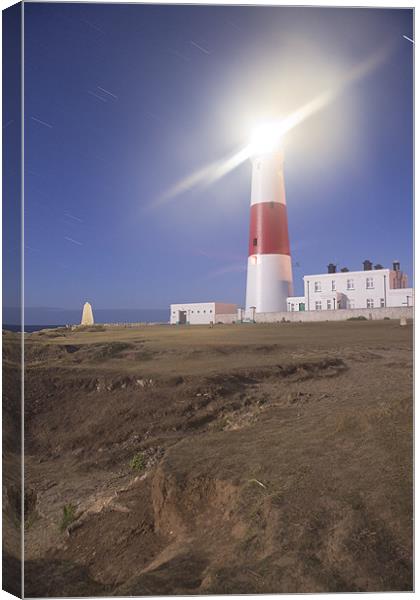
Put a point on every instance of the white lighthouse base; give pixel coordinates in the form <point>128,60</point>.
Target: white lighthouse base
<point>269,283</point>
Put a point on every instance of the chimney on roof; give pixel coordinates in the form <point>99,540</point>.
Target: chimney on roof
<point>378,266</point>
<point>367,265</point>
<point>332,268</point>
<point>396,265</point>
<point>344,270</point>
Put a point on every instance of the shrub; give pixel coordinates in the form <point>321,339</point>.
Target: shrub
<point>138,462</point>
<point>361,318</point>
<point>69,515</point>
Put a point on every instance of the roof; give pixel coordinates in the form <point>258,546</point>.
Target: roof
<point>347,273</point>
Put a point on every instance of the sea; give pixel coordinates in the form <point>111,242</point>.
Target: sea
<point>50,318</point>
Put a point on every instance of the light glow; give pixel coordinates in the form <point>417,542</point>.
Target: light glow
<point>266,138</point>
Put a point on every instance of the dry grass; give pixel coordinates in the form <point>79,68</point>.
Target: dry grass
<point>279,458</point>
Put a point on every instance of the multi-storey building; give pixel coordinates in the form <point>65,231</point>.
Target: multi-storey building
<point>374,287</point>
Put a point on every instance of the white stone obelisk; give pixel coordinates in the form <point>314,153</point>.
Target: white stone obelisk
<point>87,315</point>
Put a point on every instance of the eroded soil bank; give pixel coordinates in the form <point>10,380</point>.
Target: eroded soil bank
<point>233,459</point>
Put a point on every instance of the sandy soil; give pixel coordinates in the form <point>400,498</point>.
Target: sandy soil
<point>270,458</point>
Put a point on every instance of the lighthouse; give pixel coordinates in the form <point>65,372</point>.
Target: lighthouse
<point>269,273</point>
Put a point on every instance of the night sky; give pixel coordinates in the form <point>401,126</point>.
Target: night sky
<point>123,101</point>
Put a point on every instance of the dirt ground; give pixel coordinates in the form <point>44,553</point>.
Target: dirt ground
<point>233,459</point>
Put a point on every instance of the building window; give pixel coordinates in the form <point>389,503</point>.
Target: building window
<point>382,302</point>
<point>211,310</point>
<point>350,304</point>
<point>333,285</point>
<point>328,304</point>
<point>318,305</point>
<point>350,284</point>
<point>292,307</point>
<point>369,303</point>
<point>369,283</point>
<point>317,286</point>
<point>204,310</point>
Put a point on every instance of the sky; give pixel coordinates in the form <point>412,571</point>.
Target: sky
<point>124,101</point>
<point>11,162</point>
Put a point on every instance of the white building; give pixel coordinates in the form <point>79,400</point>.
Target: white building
<point>371,288</point>
<point>203,313</point>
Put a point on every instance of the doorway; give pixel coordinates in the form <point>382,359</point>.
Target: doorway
<point>182,317</point>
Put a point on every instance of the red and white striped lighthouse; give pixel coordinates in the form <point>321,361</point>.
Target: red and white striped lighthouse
<point>269,276</point>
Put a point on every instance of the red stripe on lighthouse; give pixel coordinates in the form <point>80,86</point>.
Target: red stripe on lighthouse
<point>268,232</point>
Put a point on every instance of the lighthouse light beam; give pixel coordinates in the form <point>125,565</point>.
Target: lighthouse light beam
<point>264,138</point>
<point>270,134</point>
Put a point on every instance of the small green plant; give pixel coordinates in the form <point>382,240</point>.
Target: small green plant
<point>221,423</point>
<point>30,520</point>
<point>69,515</point>
<point>138,462</point>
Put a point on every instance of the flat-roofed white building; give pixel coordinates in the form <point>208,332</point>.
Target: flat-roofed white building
<point>371,288</point>
<point>202,313</point>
